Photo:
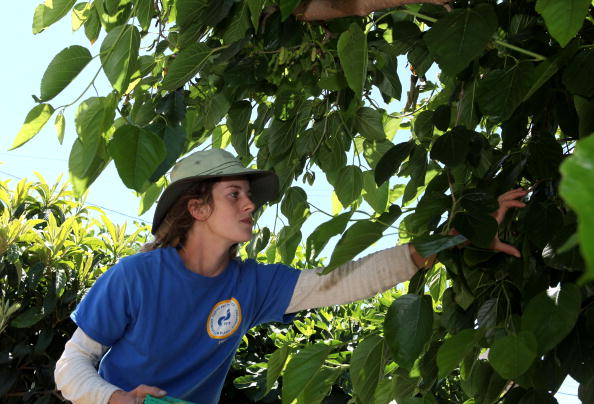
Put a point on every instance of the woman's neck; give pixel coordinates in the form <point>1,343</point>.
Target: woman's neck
<point>203,258</point>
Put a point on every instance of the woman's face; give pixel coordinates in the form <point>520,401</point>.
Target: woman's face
<point>229,217</point>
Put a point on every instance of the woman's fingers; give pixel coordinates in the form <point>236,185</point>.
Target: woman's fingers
<point>505,248</point>
<point>509,200</point>
<point>143,390</point>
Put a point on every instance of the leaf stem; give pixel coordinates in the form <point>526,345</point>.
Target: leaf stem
<point>536,56</point>
<point>84,91</point>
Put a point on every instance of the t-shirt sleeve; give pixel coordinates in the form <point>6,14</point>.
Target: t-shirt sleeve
<point>274,288</point>
<point>106,310</point>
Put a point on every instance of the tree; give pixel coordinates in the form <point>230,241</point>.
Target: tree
<point>514,102</point>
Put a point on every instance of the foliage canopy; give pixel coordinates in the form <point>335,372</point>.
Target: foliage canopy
<point>513,102</point>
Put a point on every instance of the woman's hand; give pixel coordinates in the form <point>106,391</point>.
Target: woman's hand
<point>506,201</point>
<point>135,396</point>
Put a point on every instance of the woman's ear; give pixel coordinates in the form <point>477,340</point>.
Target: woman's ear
<point>198,209</point>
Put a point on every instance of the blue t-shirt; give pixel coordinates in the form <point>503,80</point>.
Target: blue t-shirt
<point>175,329</point>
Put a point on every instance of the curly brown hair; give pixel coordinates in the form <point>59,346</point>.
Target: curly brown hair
<point>174,229</point>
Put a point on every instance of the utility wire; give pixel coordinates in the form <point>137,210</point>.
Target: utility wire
<point>90,203</point>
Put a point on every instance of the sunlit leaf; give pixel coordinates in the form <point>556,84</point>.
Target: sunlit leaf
<point>119,55</point>
<point>63,68</point>
<point>563,18</point>
<point>34,122</point>
<point>352,51</point>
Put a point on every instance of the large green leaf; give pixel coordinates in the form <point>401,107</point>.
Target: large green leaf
<point>576,190</point>
<point>390,162</point>
<point>563,18</point>
<point>454,349</point>
<point>276,363</point>
<point>294,205</point>
<point>367,367</point>
<point>461,36</point>
<point>352,52</point>
<point>144,11</point>
<point>361,235</point>
<point>501,91</point>
<point>287,7</point>
<point>185,66</point>
<point>369,124</point>
<point>551,315</point>
<point>349,184</point>
<point>577,77</point>
<point>452,147</point>
<point>137,153</point>
<point>478,227</point>
<point>87,160</point>
<point>302,369</point>
<point>429,245</point>
<point>50,12</point>
<point>376,197</point>
<point>34,122</point>
<point>240,23</point>
<point>63,68</point>
<point>189,11</point>
<point>512,355</point>
<point>119,55</point>
<point>320,386</point>
<point>318,239</point>
<point>407,328</point>
<point>94,116</point>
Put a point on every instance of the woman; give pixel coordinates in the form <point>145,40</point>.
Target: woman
<point>172,317</point>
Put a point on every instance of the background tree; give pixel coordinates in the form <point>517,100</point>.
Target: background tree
<point>513,106</point>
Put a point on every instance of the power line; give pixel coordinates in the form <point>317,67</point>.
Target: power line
<point>90,203</point>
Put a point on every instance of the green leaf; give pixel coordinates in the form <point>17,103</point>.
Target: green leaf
<point>454,350</point>
<point>288,240</point>
<point>576,190</point>
<point>429,245</point>
<point>512,355</point>
<point>87,160</point>
<point>60,124</point>
<point>28,318</point>
<point>442,117</point>
<point>240,23</point>
<point>551,315</point>
<point>349,184</point>
<point>80,14</point>
<point>189,11</point>
<point>423,127</point>
<point>369,124</point>
<point>407,328</point>
<point>50,12</point>
<point>119,55</point>
<point>542,73</point>
<point>390,162</point>
<point>93,117</point>
<point>361,235</point>
<point>376,197</point>
<point>294,205</point>
<point>367,367</point>
<point>318,239</point>
<point>352,52</point>
<point>186,65</point>
<point>461,36</point>
<point>144,10</point>
<point>150,196</point>
<point>452,147</point>
<point>546,153</point>
<point>478,227</point>
<point>577,76</point>
<point>502,91</point>
<point>34,122</point>
<point>428,212</point>
<point>256,8</point>
<point>320,386</point>
<point>563,18</point>
<point>276,363</point>
<point>174,139</point>
<point>585,111</point>
<point>302,369</point>
<point>287,7</point>
<point>63,68</point>
<point>92,25</point>
<point>137,153</point>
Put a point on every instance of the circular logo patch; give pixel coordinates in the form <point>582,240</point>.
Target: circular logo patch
<point>224,319</point>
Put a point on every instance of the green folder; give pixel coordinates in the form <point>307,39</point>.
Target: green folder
<point>172,400</point>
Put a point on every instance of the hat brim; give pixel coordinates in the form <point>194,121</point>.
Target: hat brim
<point>264,187</point>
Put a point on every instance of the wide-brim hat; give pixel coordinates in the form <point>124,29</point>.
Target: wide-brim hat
<point>213,163</point>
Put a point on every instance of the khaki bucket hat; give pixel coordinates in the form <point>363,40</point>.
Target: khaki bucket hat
<point>213,163</point>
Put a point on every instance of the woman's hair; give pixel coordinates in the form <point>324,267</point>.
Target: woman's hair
<point>173,230</point>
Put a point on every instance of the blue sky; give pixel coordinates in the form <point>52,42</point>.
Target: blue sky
<point>26,57</point>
